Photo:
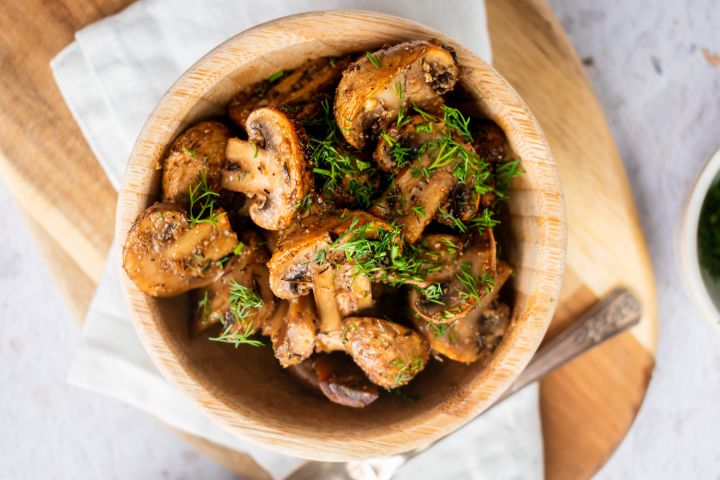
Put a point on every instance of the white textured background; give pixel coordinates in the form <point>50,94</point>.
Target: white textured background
<point>651,64</point>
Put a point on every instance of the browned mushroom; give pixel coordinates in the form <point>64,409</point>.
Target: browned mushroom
<point>270,168</point>
<point>300,92</point>
<point>303,250</point>
<point>469,338</point>
<point>246,269</point>
<point>389,353</point>
<point>343,382</point>
<point>399,145</point>
<point>196,153</point>
<point>167,254</point>
<point>415,196</point>
<point>293,331</point>
<point>375,88</point>
<point>470,282</point>
<point>337,377</point>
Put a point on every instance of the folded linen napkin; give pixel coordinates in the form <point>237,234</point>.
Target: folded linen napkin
<point>111,77</point>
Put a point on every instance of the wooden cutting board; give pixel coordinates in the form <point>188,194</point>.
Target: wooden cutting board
<point>587,406</point>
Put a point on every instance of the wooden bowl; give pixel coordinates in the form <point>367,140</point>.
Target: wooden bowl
<point>244,390</point>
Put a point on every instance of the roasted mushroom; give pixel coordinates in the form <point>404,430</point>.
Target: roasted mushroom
<point>337,377</point>
<point>466,285</point>
<point>293,331</point>
<point>304,250</point>
<point>216,302</point>
<point>415,196</point>
<point>270,168</point>
<point>167,254</point>
<point>299,93</point>
<point>375,88</point>
<point>469,338</point>
<point>389,353</point>
<point>399,145</point>
<point>198,153</point>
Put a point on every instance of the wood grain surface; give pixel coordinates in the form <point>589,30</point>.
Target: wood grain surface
<point>587,406</point>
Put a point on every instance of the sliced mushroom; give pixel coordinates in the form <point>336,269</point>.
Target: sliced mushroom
<point>303,249</point>
<point>475,335</point>
<point>247,269</point>
<point>300,92</point>
<point>198,151</point>
<point>375,88</point>
<point>398,146</point>
<point>270,168</point>
<point>337,377</point>
<point>389,353</point>
<point>343,382</point>
<point>415,196</point>
<point>472,278</point>
<point>461,203</point>
<point>165,255</point>
<point>293,331</point>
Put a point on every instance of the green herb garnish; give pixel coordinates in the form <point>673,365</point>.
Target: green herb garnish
<point>709,233</point>
<point>244,303</point>
<point>276,76</point>
<point>202,202</point>
<point>374,59</point>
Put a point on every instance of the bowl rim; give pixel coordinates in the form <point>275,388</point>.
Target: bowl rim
<point>687,244</point>
<point>425,427</point>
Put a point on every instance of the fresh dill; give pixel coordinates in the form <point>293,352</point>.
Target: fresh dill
<point>483,221</point>
<point>338,165</point>
<point>504,173</point>
<point>433,293</point>
<point>202,202</point>
<point>189,151</point>
<point>454,221</point>
<point>238,248</point>
<point>406,371</point>
<point>244,303</point>
<point>373,59</point>
<point>474,287</point>
<point>440,329</point>
<point>276,76</point>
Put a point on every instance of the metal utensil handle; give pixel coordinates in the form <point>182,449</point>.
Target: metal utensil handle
<point>615,313</point>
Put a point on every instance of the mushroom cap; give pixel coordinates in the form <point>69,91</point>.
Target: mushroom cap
<point>300,92</point>
<point>343,382</point>
<point>371,94</point>
<point>271,168</point>
<point>165,256</point>
<point>389,353</point>
<point>200,148</point>
<point>455,302</point>
<point>475,335</point>
<point>299,252</point>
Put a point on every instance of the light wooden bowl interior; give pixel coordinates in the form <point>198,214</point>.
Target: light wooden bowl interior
<point>245,390</point>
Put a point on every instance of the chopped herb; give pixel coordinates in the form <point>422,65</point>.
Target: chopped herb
<point>440,329</point>
<point>454,221</point>
<point>407,371</point>
<point>276,76</point>
<point>504,173</point>
<point>190,152</point>
<point>203,305</point>
<point>244,302</point>
<point>433,293</point>
<point>472,286</point>
<point>238,248</point>
<point>202,202</point>
<point>257,149</point>
<point>374,59</point>
<point>483,221</point>
<point>709,233</point>
<point>419,211</point>
<point>320,256</point>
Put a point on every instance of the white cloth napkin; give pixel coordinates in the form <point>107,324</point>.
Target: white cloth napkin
<point>111,77</point>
